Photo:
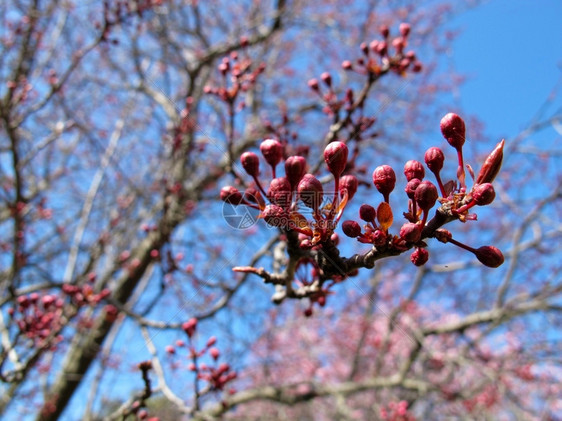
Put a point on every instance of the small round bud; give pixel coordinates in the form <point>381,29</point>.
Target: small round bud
<point>326,78</point>
<point>346,65</point>
<point>280,192</point>
<point>272,151</point>
<point>232,195</point>
<point>399,44</point>
<point>411,188</point>
<point>349,182</point>
<point>275,216</point>
<point>419,257</point>
<point>414,169</point>
<point>384,31</point>
<point>367,213</point>
<point>483,194</point>
<point>215,353</point>
<point>310,191</point>
<point>426,195</point>
<point>251,163</point>
<point>335,156</point>
<point>489,256</point>
<point>313,84</point>
<point>295,168</point>
<point>434,159</point>
<point>454,130</point>
<point>411,232</point>
<point>351,229</point>
<point>190,326</point>
<point>384,179</point>
<point>404,29</point>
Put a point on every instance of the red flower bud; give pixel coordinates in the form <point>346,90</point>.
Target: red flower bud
<point>483,194</point>
<point>275,216</point>
<point>250,163</point>
<point>313,84</point>
<point>346,65</point>
<point>190,326</point>
<point>411,188</point>
<point>367,213</point>
<point>384,31</point>
<point>215,353</point>
<point>380,238</point>
<point>272,151</point>
<point>434,159</point>
<point>411,232</point>
<point>414,169</point>
<point>489,256</point>
<point>335,156</point>
<point>326,78</point>
<point>295,168</point>
<point>492,165</point>
<point>349,183</point>
<point>384,180</point>
<point>426,195</point>
<point>231,195</point>
<point>404,29</point>
<point>419,257</point>
<point>454,130</point>
<point>310,191</point>
<point>351,229</point>
<point>280,192</point>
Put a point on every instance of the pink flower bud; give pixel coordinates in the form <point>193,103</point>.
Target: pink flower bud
<point>310,191</point>
<point>313,84</point>
<point>411,188</point>
<point>419,257</point>
<point>190,326</point>
<point>384,31</point>
<point>346,65</point>
<point>384,179</point>
<point>434,159</point>
<point>272,151</point>
<point>275,216</point>
<point>454,130</point>
<point>483,194</point>
<point>349,183</point>
<point>351,229</point>
<point>335,156</point>
<point>215,353</point>
<point>295,168</point>
<point>492,165</point>
<point>414,169</point>
<point>170,349</point>
<point>231,195</point>
<point>367,213</point>
<point>280,192</point>
<point>380,238</point>
<point>250,163</point>
<point>399,44</point>
<point>211,341</point>
<point>411,232</point>
<point>404,29</point>
<point>426,195</point>
<point>326,78</point>
<point>489,256</point>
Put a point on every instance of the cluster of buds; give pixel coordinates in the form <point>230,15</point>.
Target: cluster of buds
<point>238,75</point>
<point>455,200</point>
<point>285,193</point>
<point>218,374</point>
<point>39,316</point>
<point>387,54</point>
<point>84,294</point>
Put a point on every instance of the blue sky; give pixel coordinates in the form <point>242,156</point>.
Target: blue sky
<point>511,51</point>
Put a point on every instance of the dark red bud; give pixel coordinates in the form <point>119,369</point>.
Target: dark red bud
<point>384,179</point>
<point>483,194</point>
<point>310,191</point>
<point>313,84</point>
<point>231,195</point>
<point>454,130</point>
<point>434,159</point>
<point>426,195</point>
<point>384,31</point>
<point>280,192</point>
<point>272,151</point>
<point>335,156</point>
<point>411,232</point>
<point>367,213</point>
<point>489,256</point>
<point>349,183</point>
<point>295,168</point>
<point>351,229</point>
<point>250,163</point>
<point>411,188</point>
<point>380,238</point>
<point>492,165</point>
<point>419,257</point>
<point>414,169</point>
<point>275,216</point>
